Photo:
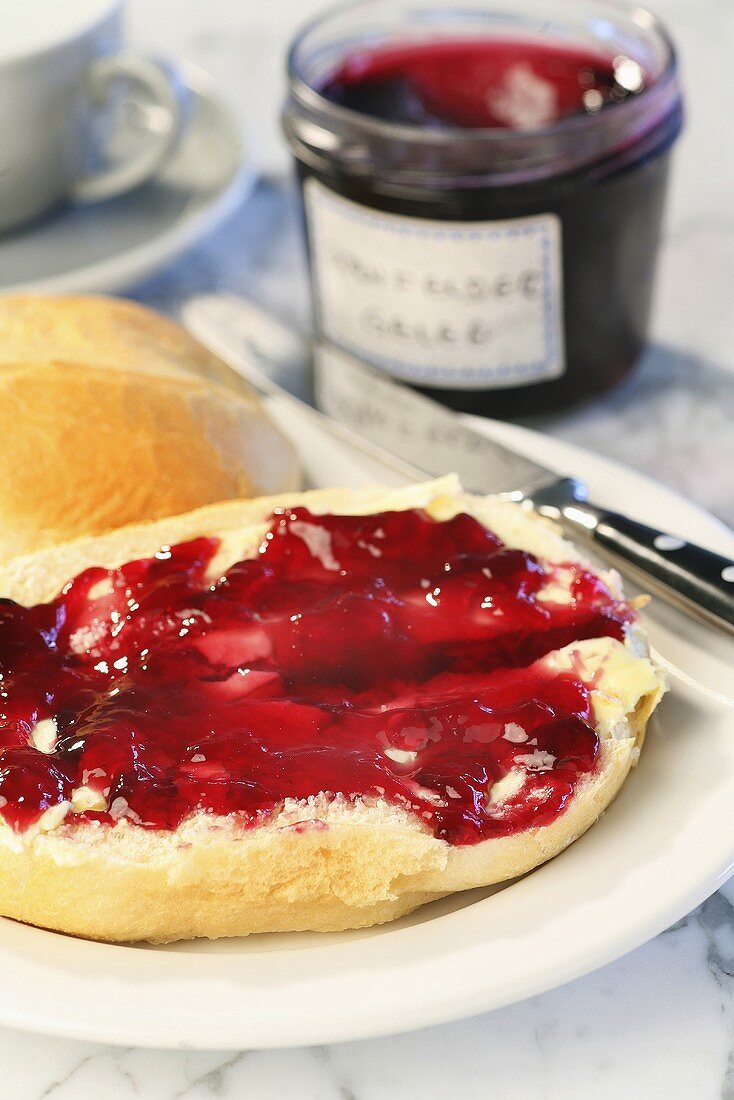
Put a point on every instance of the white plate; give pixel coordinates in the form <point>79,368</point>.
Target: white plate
<point>110,245</point>
<point>664,845</point>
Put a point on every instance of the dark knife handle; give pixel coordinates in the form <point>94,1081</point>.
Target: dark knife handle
<point>689,576</point>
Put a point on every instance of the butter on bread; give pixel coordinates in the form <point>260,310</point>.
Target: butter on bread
<point>87,449</point>
<point>373,861</point>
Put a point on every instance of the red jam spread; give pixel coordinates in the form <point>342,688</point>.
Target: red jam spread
<point>387,655</point>
<point>481,83</point>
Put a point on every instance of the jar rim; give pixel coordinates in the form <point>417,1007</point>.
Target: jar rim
<point>312,98</point>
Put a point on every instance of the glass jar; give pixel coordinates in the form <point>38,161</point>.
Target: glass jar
<point>506,268</point>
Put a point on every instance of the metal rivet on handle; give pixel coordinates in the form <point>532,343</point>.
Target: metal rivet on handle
<point>668,542</point>
<point>727,574</point>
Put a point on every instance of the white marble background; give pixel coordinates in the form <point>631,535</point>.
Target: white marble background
<point>658,1024</point>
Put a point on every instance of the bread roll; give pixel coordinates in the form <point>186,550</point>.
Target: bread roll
<point>365,860</point>
<point>102,331</point>
<point>86,449</point>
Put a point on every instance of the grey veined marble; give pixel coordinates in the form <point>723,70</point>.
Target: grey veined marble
<point>659,1023</point>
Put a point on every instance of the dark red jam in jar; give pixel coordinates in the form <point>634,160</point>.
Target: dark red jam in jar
<point>330,662</point>
<point>483,185</point>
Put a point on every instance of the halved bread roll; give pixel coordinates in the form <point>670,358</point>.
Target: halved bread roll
<point>338,858</point>
<point>87,449</point>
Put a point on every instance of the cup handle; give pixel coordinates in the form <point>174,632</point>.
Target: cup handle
<point>162,86</point>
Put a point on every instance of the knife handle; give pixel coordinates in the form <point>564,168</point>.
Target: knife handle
<point>684,574</point>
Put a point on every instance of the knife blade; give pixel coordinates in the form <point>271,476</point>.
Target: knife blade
<point>416,436</point>
<point>417,429</point>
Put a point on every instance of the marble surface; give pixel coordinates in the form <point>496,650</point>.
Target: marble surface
<point>658,1024</point>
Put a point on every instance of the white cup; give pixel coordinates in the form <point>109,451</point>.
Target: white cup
<point>67,94</point>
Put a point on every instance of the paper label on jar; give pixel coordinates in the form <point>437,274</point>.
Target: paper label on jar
<point>462,305</point>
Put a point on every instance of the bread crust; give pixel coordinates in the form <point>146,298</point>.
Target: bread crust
<point>89,449</point>
<point>320,865</point>
<point>104,331</point>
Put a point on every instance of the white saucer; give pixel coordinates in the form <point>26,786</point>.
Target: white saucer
<point>110,245</point>
<point>664,845</point>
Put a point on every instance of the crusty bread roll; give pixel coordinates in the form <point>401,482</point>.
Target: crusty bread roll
<point>367,861</point>
<point>102,331</point>
<point>86,449</point>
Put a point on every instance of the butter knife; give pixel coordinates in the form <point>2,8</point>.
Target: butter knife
<point>415,436</point>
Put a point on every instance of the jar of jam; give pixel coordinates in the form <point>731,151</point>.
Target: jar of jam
<point>483,183</point>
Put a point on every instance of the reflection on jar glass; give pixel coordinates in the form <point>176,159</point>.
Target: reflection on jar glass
<point>483,187</point>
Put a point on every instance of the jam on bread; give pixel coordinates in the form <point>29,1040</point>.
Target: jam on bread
<point>388,656</point>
